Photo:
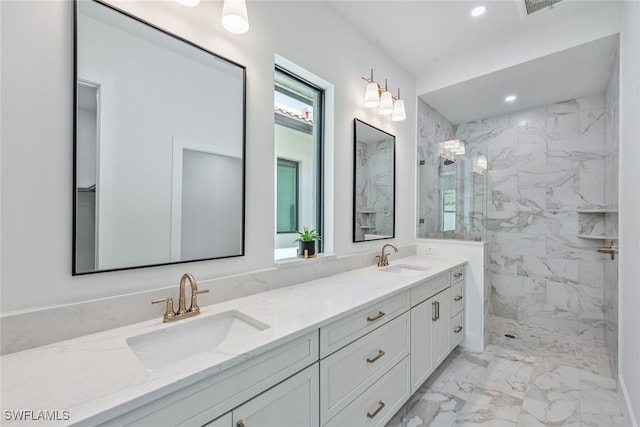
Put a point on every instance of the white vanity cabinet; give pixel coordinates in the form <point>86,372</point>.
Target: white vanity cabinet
<point>212,397</point>
<point>357,370</point>
<point>367,380</point>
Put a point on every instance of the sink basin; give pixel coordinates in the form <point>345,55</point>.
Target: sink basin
<point>174,343</point>
<point>406,270</point>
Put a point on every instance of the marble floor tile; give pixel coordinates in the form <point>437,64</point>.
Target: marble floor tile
<point>489,408</point>
<point>540,378</point>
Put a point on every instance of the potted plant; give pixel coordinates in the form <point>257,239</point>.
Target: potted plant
<point>307,243</point>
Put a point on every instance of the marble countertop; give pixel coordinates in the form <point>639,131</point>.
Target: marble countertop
<point>98,375</point>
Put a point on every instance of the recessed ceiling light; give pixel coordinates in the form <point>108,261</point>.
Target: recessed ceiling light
<point>478,11</point>
<point>510,98</point>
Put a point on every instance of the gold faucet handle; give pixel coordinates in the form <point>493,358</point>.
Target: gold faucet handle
<point>194,299</point>
<point>169,313</point>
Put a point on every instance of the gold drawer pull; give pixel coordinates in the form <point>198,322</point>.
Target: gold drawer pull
<point>380,408</point>
<point>373,319</point>
<point>380,354</point>
<point>456,275</point>
<point>458,329</point>
<point>240,424</point>
<point>458,298</point>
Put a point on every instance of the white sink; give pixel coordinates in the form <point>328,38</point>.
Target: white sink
<point>406,269</point>
<point>178,341</point>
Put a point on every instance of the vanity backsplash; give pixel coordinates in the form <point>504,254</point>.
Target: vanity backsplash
<point>27,329</point>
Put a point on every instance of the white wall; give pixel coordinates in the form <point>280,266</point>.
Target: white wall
<point>629,204</point>
<point>37,105</point>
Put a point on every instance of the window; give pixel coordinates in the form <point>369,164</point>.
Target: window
<point>448,210</point>
<point>298,107</point>
<point>287,206</point>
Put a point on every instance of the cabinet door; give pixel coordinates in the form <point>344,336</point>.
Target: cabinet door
<point>441,340</point>
<point>430,336</point>
<point>292,403</point>
<point>421,337</point>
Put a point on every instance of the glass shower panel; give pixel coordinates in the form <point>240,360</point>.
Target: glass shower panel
<point>452,193</point>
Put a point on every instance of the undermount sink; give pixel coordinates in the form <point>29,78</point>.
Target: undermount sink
<point>173,343</point>
<point>406,270</point>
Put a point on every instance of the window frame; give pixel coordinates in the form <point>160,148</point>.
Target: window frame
<point>318,132</point>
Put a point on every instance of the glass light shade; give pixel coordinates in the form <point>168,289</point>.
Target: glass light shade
<point>234,16</point>
<point>451,144</point>
<point>398,111</point>
<point>189,3</point>
<point>386,104</point>
<point>371,98</point>
<point>458,150</point>
<point>482,162</point>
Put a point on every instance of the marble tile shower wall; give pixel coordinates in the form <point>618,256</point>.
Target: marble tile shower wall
<point>544,165</point>
<point>611,218</point>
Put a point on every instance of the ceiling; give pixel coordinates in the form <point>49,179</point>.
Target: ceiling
<point>427,35</point>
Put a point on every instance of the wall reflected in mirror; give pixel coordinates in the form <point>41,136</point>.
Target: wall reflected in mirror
<point>374,183</point>
<point>159,146</point>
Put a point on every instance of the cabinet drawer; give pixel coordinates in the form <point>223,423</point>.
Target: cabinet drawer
<point>197,404</point>
<point>379,402</point>
<point>457,329</point>
<point>429,288</point>
<point>457,274</point>
<point>292,403</point>
<point>457,298</point>
<point>348,372</point>
<point>346,330</point>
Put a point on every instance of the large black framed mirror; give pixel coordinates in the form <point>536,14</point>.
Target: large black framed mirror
<point>374,183</point>
<point>159,146</point>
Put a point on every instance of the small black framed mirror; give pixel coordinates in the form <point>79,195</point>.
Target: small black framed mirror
<point>374,183</point>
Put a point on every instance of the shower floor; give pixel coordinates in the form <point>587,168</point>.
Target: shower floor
<point>538,378</point>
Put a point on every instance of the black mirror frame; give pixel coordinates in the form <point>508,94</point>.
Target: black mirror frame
<point>74,271</point>
<point>355,162</point>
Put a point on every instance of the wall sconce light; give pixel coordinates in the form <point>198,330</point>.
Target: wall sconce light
<point>378,96</point>
<point>234,16</point>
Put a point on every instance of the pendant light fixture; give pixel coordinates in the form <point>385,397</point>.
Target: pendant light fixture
<point>234,16</point>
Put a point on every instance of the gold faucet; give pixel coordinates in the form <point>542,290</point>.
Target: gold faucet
<point>182,313</point>
<point>383,259</point>
<point>611,249</point>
